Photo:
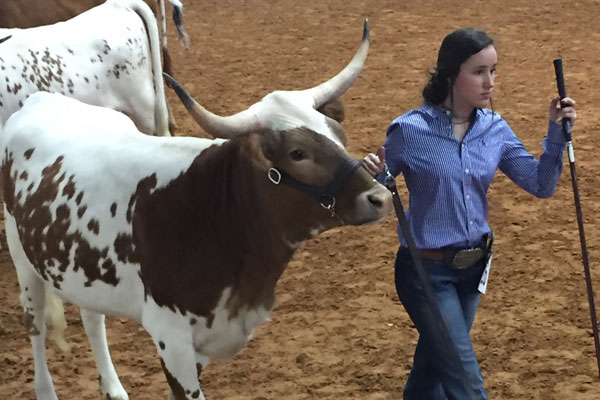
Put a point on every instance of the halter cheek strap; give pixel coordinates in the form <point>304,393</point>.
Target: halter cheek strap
<point>324,194</point>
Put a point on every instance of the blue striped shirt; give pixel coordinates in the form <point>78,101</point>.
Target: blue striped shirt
<point>448,180</point>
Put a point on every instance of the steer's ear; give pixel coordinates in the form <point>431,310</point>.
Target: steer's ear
<point>333,109</point>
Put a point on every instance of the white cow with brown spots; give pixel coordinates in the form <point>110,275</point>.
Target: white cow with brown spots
<point>108,56</point>
<point>187,236</point>
<point>32,13</point>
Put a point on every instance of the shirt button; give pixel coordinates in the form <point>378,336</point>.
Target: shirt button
<point>470,222</point>
<point>467,171</point>
<point>468,196</point>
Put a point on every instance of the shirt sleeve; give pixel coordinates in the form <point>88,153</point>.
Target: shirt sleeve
<point>393,151</point>
<point>536,177</point>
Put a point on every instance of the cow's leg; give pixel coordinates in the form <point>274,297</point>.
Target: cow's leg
<point>56,321</point>
<point>172,123</point>
<point>172,336</point>
<point>201,361</point>
<point>33,301</point>
<point>110,386</point>
<point>167,68</point>
<point>181,375</point>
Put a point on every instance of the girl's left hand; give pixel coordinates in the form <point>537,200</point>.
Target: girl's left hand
<point>374,163</point>
<point>557,113</point>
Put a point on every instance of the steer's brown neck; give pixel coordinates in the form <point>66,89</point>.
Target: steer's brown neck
<point>216,226</point>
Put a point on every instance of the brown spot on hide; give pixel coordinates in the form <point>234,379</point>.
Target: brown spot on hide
<point>44,235</point>
<point>8,182</point>
<point>69,189</point>
<point>125,249</point>
<point>94,226</point>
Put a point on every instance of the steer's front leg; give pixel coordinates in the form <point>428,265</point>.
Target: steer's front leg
<point>172,335</point>
<point>176,374</point>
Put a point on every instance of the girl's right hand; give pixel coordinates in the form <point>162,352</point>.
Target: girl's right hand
<point>374,163</point>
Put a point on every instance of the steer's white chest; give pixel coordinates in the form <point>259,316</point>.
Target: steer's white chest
<point>224,336</point>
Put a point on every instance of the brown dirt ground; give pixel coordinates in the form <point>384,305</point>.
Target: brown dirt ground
<point>338,330</point>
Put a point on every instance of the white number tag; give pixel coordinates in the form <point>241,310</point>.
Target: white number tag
<point>484,277</point>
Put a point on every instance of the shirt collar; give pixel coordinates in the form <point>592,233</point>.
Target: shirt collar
<point>437,111</point>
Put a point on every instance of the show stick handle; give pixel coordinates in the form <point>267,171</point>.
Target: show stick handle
<point>562,92</point>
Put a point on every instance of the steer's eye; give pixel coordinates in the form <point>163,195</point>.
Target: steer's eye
<point>297,155</point>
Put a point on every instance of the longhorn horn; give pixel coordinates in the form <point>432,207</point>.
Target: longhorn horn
<point>215,125</point>
<point>339,84</point>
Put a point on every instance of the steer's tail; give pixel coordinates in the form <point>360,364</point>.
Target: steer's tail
<point>55,320</point>
<point>161,113</point>
<point>184,38</point>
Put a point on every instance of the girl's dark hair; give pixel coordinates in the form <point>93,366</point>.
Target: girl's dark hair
<point>456,48</point>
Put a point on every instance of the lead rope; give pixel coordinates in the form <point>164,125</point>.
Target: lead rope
<point>445,339</point>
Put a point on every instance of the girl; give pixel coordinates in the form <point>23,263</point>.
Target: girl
<point>448,151</point>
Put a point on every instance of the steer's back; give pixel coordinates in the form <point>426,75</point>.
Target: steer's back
<point>30,13</point>
<point>69,174</point>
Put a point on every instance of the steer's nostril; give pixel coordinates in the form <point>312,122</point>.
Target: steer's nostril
<point>375,200</point>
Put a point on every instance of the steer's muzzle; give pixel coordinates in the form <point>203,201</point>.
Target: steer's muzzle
<point>373,205</point>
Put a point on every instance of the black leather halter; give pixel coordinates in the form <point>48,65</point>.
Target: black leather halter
<point>324,194</point>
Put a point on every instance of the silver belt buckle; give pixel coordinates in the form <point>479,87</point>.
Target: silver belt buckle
<point>467,257</point>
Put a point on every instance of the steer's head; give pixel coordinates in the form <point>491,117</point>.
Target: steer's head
<point>302,149</point>
<point>336,189</point>
<point>286,110</point>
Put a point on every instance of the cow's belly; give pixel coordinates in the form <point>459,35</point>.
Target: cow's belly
<point>123,299</point>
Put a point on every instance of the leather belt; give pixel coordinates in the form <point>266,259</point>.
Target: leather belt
<point>433,254</point>
<point>460,258</point>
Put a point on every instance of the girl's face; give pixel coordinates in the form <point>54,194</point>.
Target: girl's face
<point>475,80</point>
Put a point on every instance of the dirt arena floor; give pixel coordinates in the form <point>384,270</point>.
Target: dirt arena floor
<point>338,330</point>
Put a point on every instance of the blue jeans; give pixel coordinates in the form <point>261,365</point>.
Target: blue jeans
<point>433,375</point>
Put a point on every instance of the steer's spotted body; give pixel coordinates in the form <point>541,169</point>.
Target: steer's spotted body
<point>187,236</point>
<point>107,56</point>
<point>79,232</point>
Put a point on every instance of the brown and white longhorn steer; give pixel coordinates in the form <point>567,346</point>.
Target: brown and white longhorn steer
<point>187,236</point>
